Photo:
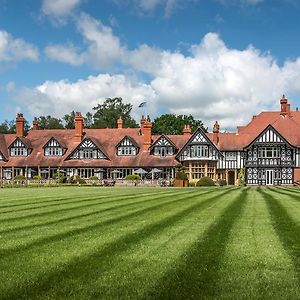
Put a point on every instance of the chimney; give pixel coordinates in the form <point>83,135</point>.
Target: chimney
<point>78,127</point>
<point>216,130</point>
<point>20,125</point>
<point>35,124</point>
<point>187,129</point>
<point>142,122</point>
<point>146,131</point>
<point>284,106</point>
<point>120,123</point>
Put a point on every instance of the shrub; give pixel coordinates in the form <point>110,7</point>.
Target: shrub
<point>205,181</point>
<point>180,173</point>
<point>37,177</point>
<point>133,177</point>
<point>61,178</point>
<point>222,182</point>
<point>93,178</point>
<point>76,179</point>
<point>19,177</point>
<point>193,182</point>
<point>241,177</point>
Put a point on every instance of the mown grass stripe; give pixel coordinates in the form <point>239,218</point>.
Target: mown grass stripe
<point>286,228</point>
<point>196,273</point>
<point>112,250</point>
<point>59,210</point>
<point>285,193</point>
<point>78,200</point>
<point>92,213</point>
<point>98,225</point>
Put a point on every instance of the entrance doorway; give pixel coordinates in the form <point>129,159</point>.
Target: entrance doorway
<point>231,178</point>
<point>269,177</point>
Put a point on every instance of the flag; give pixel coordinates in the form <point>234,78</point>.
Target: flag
<point>142,104</point>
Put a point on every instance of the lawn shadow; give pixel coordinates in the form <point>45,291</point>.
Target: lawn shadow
<point>196,274</point>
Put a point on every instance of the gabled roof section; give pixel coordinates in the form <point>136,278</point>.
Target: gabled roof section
<point>61,143</point>
<point>91,142</point>
<point>26,142</point>
<point>269,135</point>
<point>160,138</point>
<point>129,138</point>
<point>198,137</point>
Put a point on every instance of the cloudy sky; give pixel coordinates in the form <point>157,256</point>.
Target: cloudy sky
<point>222,60</point>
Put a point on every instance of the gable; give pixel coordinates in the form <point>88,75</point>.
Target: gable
<point>88,149</point>
<point>268,136</point>
<point>128,141</point>
<point>163,141</point>
<point>199,137</point>
<point>17,143</point>
<point>54,143</point>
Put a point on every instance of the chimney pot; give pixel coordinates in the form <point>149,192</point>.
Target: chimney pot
<point>187,129</point>
<point>35,124</point>
<point>216,130</point>
<point>120,123</point>
<point>284,109</point>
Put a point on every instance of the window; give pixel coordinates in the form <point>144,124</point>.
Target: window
<point>18,152</point>
<point>1,158</point>
<point>269,152</point>
<point>199,151</point>
<point>163,151</point>
<point>230,155</point>
<point>126,150</point>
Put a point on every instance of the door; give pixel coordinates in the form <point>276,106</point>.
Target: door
<point>269,177</point>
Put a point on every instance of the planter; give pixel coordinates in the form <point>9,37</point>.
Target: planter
<point>180,183</point>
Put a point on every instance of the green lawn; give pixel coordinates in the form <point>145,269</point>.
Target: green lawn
<point>149,243</point>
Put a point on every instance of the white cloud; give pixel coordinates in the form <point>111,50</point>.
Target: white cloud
<point>16,49</point>
<point>58,98</point>
<point>64,53</point>
<point>57,10</point>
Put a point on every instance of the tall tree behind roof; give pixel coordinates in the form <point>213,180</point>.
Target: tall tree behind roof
<point>108,113</point>
<point>174,124</point>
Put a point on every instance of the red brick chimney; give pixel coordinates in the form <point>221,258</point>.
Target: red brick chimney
<point>20,125</point>
<point>216,130</point>
<point>187,129</point>
<point>120,123</point>
<point>284,106</point>
<point>143,120</point>
<point>35,124</point>
<point>147,133</point>
<point>78,127</point>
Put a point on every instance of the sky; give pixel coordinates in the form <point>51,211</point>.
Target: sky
<point>223,60</point>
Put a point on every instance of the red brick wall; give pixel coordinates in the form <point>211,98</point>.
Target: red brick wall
<point>296,174</point>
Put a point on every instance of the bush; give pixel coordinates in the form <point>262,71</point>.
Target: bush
<point>76,180</point>
<point>133,177</point>
<point>180,173</point>
<point>222,182</point>
<point>19,177</point>
<point>37,177</point>
<point>61,178</point>
<point>93,178</point>
<point>193,182</point>
<point>241,177</point>
<point>205,181</point>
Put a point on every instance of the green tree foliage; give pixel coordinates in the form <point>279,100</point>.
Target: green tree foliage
<point>107,114</point>
<point>174,124</point>
<point>10,126</point>
<point>69,120</point>
<point>48,122</point>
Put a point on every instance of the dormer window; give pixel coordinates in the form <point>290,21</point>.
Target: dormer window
<point>127,147</point>
<point>199,151</point>
<point>163,147</point>
<point>53,148</point>
<point>18,148</point>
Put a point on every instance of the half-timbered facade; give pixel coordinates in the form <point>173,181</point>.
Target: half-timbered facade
<point>267,150</point>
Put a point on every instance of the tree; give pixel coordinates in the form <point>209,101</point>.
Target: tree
<point>69,120</point>
<point>10,126</point>
<point>49,122</point>
<point>88,120</point>
<point>107,114</point>
<point>174,124</point>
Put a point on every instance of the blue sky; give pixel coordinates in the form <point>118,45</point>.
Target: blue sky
<point>219,60</point>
